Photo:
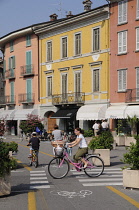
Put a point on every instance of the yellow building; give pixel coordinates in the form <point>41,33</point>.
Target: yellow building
<point>74,68</point>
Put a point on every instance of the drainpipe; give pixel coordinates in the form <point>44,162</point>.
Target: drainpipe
<point>38,70</point>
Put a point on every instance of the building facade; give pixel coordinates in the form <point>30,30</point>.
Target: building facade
<point>74,69</point>
<point>20,50</point>
<point>124,61</point>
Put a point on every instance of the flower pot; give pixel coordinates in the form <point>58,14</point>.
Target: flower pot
<point>131,178</point>
<point>5,186</point>
<point>120,140</point>
<point>128,140</point>
<point>104,154</point>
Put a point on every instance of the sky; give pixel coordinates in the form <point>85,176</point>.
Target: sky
<point>17,14</point>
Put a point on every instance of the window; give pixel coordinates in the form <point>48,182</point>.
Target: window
<point>96,39</point>
<point>122,42</point>
<point>28,40</point>
<point>12,92</point>
<point>78,44</point>
<point>137,14</point>
<point>64,88</point>
<point>77,82</point>
<point>11,46</point>
<point>49,51</point>
<point>122,80</point>
<point>29,90</point>
<point>64,47</point>
<point>137,83</point>
<point>96,80</point>
<point>28,62</point>
<point>122,12</point>
<point>137,38</point>
<point>49,86</point>
<point>11,65</point>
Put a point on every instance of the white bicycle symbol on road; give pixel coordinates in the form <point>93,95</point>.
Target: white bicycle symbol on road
<point>81,194</point>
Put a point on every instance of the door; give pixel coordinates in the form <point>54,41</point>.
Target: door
<point>28,62</point>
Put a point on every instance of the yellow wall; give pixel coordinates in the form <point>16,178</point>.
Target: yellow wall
<point>86,34</point>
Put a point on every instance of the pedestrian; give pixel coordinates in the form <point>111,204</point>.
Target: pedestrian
<point>104,125</point>
<point>96,128</point>
<point>57,135</point>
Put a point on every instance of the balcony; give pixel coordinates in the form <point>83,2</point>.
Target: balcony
<point>132,95</point>
<point>2,101</point>
<point>10,100</point>
<point>26,98</point>
<point>10,74</point>
<point>68,98</point>
<point>27,70</point>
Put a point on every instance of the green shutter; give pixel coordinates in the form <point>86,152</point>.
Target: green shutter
<point>4,67</point>
<point>28,62</point>
<point>13,62</point>
<point>12,92</point>
<point>28,40</point>
<point>10,63</point>
<point>29,89</point>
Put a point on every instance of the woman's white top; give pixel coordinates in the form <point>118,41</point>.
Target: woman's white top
<point>82,143</point>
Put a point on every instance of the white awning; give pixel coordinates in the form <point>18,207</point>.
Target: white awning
<point>7,114</point>
<point>21,114</point>
<point>92,112</point>
<point>131,111</point>
<point>116,112</point>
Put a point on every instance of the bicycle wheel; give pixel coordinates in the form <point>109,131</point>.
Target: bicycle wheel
<point>35,161</point>
<point>95,166</point>
<point>58,168</point>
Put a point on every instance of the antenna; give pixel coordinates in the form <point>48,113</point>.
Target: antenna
<point>60,9</point>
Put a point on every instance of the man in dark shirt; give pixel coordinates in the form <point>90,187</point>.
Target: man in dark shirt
<point>34,142</point>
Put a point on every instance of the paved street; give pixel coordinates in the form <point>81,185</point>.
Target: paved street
<point>35,189</point>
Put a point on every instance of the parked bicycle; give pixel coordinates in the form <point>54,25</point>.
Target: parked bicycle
<point>59,166</point>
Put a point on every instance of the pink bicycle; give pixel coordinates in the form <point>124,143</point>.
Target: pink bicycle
<point>59,166</point>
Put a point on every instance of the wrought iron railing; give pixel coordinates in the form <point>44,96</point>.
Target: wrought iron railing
<point>2,100</point>
<point>10,74</point>
<point>26,98</point>
<point>132,95</point>
<point>68,98</point>
<point>10,99</point>
<point>27,70</point>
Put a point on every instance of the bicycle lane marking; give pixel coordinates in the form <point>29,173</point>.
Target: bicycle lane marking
<point>129,199</point>
<point>31,195</point>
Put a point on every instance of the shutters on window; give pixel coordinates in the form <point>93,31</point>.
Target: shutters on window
<point>96,80</point>
<point>122,11</point>
<point>78,82</point>
<point>12,92</point>
<point>11,46</point>
<point>122,42</point>
<point>29,89</point>
<point>137,9</point>
<point>122,74</point>
<point>28,62</point>
<point>77,44</point>
<point>64,47</point>
<point>28,40</point>
<point>137,38</point>
<point>96,39</point>
<point>49,51</point>
<point>64,87</point>
<point>137,82</point>
<point>49,86</point>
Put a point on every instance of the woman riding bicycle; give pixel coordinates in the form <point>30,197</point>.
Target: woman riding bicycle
<point>83,148</point>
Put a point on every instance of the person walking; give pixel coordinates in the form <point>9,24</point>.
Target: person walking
<point>57,135</point>
<point>96,128</point>
<point>104,125</point>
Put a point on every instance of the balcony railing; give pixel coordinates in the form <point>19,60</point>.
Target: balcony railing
<point>132,95</point>
<point>10,100</point>
<point>68,98</point>
<point>2,100</point>
<point>27,70</point>
<point>26,98</point>
<point>10,74</point>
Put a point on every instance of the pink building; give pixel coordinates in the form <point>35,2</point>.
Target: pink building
<point>21,67</point>
<point>124,61</point>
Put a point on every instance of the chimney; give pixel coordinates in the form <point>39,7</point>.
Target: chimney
<point>53,17</point>
<point>87,5</point>
<point>69,14</point>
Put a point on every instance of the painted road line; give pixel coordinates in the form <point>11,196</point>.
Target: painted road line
<point>130,200</point>
<point>37,178</point>
<point>31,201</point>
<point>39,187</point>
<point>17,171</point>
<point>38,182</point>
<point>82,173</point>
<point>102,184</point>
<point>37,172</point>
<point>108,176</point>
<point>99,180</point>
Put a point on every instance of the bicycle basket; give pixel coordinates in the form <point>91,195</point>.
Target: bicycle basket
<point>59,151</point>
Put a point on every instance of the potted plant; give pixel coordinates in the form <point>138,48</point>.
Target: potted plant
<point>102,145</point>
<point>120,138</point>
<point>132,121</point>
<point>131,174</point>
<point>88,135</point>
<point>6,164</point>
